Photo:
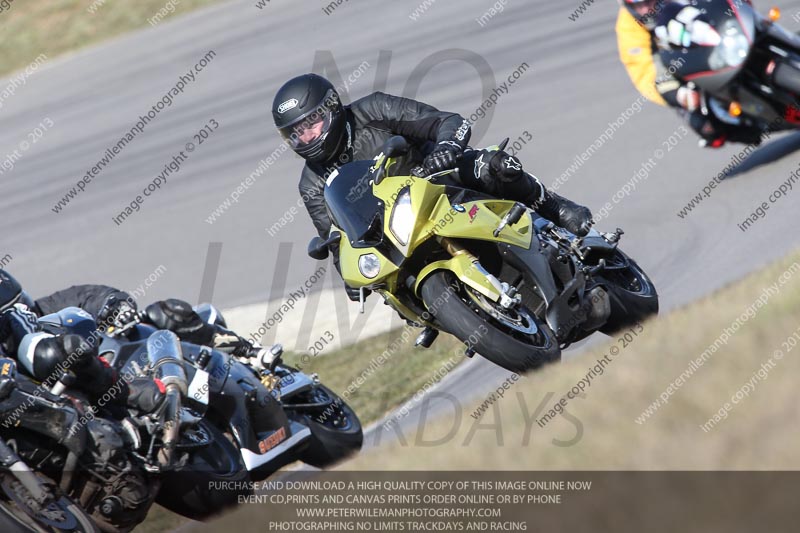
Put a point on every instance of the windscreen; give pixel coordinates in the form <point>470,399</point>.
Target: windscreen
<point>350,201</point>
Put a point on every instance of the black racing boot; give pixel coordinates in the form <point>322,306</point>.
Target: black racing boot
<point>178,317</point>
<point>572,217</point>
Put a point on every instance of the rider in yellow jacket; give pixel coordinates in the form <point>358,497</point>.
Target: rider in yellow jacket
<point>636,25</point>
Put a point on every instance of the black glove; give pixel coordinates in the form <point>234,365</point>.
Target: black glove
<point>121,313</point>
<point>443,157</point>
<point>229,342</point>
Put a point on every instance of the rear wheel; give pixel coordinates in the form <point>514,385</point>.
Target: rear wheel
<point>632,293</point>
<point>336,432</point>
<point>211,481</point>
<point>20,512</point>
<point>514,339</point>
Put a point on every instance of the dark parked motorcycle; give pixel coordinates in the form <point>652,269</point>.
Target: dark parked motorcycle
<point>254,415</point>
<point>746,64</point>
<point>29,500</point>
<point>70,465</point>
<point>66,465</point>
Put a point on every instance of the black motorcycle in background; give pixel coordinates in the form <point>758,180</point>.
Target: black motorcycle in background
<point>258,413</point>
<point>747,65</point>
<point>29,499</point>
<point>72,466</point>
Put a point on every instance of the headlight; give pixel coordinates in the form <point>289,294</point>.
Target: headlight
<point>402,220</point>
<point>369,265</point>
<point>733,49</point>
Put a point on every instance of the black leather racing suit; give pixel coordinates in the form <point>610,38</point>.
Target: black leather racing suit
<point>375,118</point>
<point>46,354</point>
<point>174,315</point>
<point>90,298</point>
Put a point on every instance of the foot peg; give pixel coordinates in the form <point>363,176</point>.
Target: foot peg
<point>426,338</point>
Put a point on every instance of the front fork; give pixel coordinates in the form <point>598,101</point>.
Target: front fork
<point>508,297</point>
<point>10,461</point>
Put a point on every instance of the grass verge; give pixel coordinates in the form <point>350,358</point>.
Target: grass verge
<point>728,362</point>
<point>29,28</point>
<point>390,368</point>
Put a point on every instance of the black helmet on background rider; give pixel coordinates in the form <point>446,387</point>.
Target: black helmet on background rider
<point>645,11</point>
<point>11,292</point>
<point>310,117</point>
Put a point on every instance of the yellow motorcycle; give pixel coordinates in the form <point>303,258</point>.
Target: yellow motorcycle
<point>512,285</point>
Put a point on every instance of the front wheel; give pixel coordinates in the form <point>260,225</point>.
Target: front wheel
<point>513,339</point>
<point>632,293</point>
<point>19,512</point>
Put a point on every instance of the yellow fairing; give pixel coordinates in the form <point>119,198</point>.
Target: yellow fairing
<point>469,272</point>
<point>351,274</point>
<point>478,222</point>
<point>435,217</point>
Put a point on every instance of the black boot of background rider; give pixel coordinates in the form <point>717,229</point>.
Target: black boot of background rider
<point>714,133</point>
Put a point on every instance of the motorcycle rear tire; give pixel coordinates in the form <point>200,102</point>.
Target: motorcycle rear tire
<point>212,481</point>
<point>328,444</point>
<point>630,307</point>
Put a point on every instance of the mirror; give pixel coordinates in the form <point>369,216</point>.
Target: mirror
<point>396,146</point>
<point>317,249</point>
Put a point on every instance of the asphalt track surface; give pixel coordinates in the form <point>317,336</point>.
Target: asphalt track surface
<point>574,87</point>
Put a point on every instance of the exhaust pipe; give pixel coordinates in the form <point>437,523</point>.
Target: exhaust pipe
<point>165,359</point>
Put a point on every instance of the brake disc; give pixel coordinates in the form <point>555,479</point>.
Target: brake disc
<point>521,320</point>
